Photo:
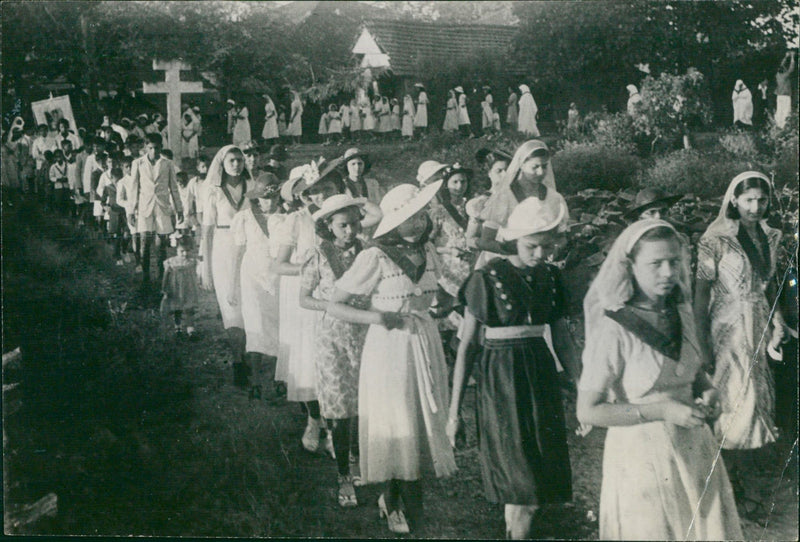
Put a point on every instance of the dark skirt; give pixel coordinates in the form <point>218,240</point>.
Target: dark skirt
<point>522,435</point>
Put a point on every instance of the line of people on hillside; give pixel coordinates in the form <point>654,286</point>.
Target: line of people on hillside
<point>347,296</point>
<point>383,117</point>
<point>350,298</point>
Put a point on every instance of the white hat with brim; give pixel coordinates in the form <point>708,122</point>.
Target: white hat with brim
<point>532,216</point>
<point>402,202</point>
<point>459,89</point>
<point>428,170</point>
<point>337,203</point>
<point>295,176</point>
<point>419,85</point>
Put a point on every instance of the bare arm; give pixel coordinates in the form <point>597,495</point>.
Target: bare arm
<point>463,366</point>
<point>372,215</point>
<point>307,301</point>
<point>338,307</point>
<point>488,241</point>
<point>282,265</point>
<point>205,251</point>
<point>235,294</point>
<point>473,233</point>
<point>592,409</point>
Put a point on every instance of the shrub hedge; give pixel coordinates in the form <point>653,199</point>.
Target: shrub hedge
<point>688,171</point>
<point>578,166</point>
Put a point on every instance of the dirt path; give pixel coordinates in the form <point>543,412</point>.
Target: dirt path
<point>139,433</point>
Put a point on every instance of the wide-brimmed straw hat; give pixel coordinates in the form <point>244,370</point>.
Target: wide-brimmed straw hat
<point>459,89</point>
<point>295,176</point>
<point>337,203</point>
<point>420,85</point>
<point>266,186</point>
<point>649,198</point>
<point>533,215</point>
<point>402,202</point>
<point>317,171</point>
<point>428,170</point>
<point>355,152</point>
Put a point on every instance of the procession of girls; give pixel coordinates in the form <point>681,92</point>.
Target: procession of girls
<point>342,295</point>
<point>381,117</point>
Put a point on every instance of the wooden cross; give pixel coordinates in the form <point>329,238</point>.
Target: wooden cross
<point>173,87</point>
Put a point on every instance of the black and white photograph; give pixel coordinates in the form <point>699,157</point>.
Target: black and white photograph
<point>400,269</point>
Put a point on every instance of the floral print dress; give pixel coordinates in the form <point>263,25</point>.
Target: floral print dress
<point>339,343</point>
<point>740,316</point>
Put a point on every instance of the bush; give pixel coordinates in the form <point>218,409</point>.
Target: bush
<point>589,165</point>
<point>741,144</point>
<point>690,171</point>
<point>672,104</point>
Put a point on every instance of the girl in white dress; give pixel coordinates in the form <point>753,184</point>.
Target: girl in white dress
<point>256,280</point>
<point>421,113</point>
<point>355,119</point>
<point>451,114</point>
<point>241,127</point>
<point>643,379</point>
<point>296,238</point>
<point>270,131</point>
<point>294,128</point>
<point>368,114</point>
<point>227,183</point>
<point>408,117</point>
<point>403,389</point>
<point>463,113</point>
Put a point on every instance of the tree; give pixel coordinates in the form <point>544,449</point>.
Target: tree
<point>592,49</point>
<point>671,104</point>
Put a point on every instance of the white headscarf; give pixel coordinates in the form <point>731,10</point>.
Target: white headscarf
<point>523,153</point>
<point>723,225</point>
<point>632,90</point>
<point>217,168</point>
<point>614,284</point>
<point>524,88</point>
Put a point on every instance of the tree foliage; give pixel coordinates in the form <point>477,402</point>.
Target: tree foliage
<point>595,48</point>
<point>673,103</point>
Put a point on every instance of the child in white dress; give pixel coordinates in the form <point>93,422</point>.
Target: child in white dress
<point>403,389</point>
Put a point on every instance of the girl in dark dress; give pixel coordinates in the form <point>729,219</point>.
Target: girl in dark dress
<point>522,435</point>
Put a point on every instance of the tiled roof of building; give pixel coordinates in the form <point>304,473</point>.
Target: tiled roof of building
<point>406,42</point>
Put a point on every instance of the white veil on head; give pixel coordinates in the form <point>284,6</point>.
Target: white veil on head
<point>614,284</point>
<point>217,168</point>
<point>723,225</point>
<point>522,153</point>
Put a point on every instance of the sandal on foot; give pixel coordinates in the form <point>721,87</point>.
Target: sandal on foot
<point>310,440</point>
<point>347,492</point>
<point>396,519</point>
<point>327,446</point>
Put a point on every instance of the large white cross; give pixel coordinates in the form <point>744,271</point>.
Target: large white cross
<point>173,87</point>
